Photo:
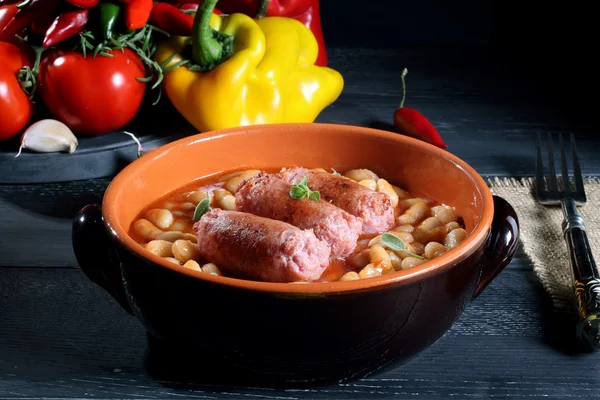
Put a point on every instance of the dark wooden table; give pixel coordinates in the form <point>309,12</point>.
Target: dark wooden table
<point>61,336</point>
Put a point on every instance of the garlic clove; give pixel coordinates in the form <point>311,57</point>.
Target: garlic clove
<point>48,136</point>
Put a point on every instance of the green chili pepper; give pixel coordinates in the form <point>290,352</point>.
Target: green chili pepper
<point>109,15</point>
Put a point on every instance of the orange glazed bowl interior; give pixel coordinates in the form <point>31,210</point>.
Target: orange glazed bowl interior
<point>416,166</point>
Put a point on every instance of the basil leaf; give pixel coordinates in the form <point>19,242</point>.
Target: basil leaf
<point>393,242</point>
<point>201,209</point>
<point>303,182</point>
<point>316,196</point>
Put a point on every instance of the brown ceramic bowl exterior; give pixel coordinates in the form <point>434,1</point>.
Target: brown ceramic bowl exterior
<point>290,332</point>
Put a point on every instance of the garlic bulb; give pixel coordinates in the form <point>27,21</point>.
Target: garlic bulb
<point>48,136</point>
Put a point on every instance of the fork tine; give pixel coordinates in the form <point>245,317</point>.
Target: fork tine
<point>551,173</point>
<point>576,169</point>
<point>565,172</point>
<point>539,173</point>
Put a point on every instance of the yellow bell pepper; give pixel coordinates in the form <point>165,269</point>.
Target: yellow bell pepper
<point>235,70</point>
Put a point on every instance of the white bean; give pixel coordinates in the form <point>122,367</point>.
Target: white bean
<point>195,197</point>
<point>434,249</point>
<point>232,184</point>
<point>184,250</point>
<point>444,214</point>
<point>361,259</point>
<point>369,183</point>
<point>410,262</point>
<point>404,228</point>
<point>146,229</point>
<point>402,194</point>
<point>173,260</point>
<point>431,229</point>
<point>188,206</point>
<point>191,264</point>
<point>396,261</point>
<point>361,174</point>
<point>179,226</point>
<point>407,203</point>
<point>160,217</point>
<point>173,236</point>
<point>452,226</point>
<point>226,177</point>
<point>416,212</point>
<point>161,248</point>
<point>350,276</point>
<point>370,271</point>
<point>224,199</point>
<point>454,238</point>
<point>381,259</point>
<point>212,269</point>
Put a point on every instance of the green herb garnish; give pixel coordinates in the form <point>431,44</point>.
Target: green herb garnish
<point>202,208</point>
<point>397,244</point>
<point>302,191</point>
<point>335,172</point>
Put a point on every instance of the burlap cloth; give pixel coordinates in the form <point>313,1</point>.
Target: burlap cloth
<point>541,234</point>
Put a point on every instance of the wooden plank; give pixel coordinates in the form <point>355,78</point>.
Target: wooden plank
<point>63,337</point>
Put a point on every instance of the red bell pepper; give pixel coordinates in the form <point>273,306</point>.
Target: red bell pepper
<point>64,26</point>
<point>306,11</point>
<point>83,3</point>
<point>411,122</point>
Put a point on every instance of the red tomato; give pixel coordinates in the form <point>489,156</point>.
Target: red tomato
<point>15,107</point>
<point>92,96</point>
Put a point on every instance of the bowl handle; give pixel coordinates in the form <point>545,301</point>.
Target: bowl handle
<point>96,254</point>
<point>502,245</point>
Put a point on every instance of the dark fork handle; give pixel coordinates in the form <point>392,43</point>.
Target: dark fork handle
<point>585,276</point>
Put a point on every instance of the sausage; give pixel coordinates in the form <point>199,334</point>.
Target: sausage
<point>258,248</point>
<point>267,195</point>
<point>375,208</point>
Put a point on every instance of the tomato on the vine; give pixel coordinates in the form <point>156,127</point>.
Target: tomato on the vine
<point>15,107</point>
<point>92,95</point>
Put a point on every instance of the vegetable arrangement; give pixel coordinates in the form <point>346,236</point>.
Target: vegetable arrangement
<point>235,70</point>
<point>89,63</point>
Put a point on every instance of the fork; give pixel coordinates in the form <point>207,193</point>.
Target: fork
<point>585,275</point>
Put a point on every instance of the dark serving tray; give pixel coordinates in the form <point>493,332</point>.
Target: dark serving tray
<point>95,157</point>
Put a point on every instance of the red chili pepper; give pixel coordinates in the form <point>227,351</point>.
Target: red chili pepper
<point>171,19</point>
<point>35,10</point>
<point>40,26</point>
<point>411,122</point>
<point>66,25</point>
<point>8,2</point>
<point>83,3</point>
<point>7,13</point>
<point>137,13</point>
